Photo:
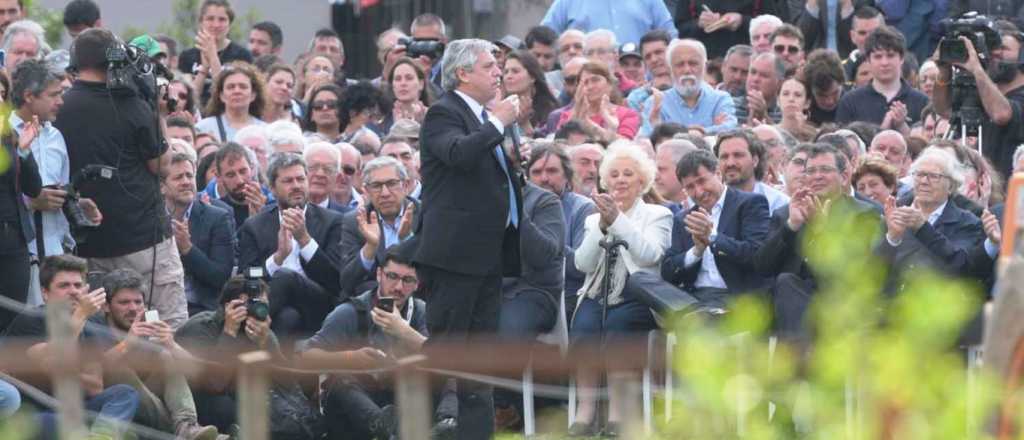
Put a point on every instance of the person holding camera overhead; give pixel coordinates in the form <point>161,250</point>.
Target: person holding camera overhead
<point>115,127</point>
<point>1000,86</point>
<point>37,96</point>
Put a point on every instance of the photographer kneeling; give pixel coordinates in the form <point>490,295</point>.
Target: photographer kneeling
<point>1000,88</point>
<point>363,333</point>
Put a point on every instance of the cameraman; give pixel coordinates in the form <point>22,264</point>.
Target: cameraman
<point>1001,90</point>
<point>117,128</point>
<point>361,333</point>
<point>219,335</point>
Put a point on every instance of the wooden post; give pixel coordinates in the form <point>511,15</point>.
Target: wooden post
<point>65,372</point>
<point>628,391</point>
<point>413,394</point>
<point>253,395</point>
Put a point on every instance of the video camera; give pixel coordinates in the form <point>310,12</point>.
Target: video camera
<point>129,67</point>
<point>415,48</point>
<point>968,112</point>
<point>979,29</point>
<point>255,307</point>
<point>72,210</point>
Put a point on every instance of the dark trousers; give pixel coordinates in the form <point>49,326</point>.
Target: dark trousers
<point>352,403</point>
<point>219,410</point>
<point>14,269</point>
<point>629,316</point>
<point>790,297</point>
<point>526,314</point>
<point>711,297</point>
<point>460,307</point>
<point>307,301</point>
<point>115,406</point>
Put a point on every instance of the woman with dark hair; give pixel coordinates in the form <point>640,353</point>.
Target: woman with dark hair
<point>524,77</point>
<point>280,86</point>
<point>184,99</point>
<point>361,109</point>
<point>322,112</point>
<point>410,90</point>
<point>237,101</point>
<point>596,106</point>
<point>795,101</point>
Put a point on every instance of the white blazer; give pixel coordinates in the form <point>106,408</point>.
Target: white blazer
<point>646,227</point>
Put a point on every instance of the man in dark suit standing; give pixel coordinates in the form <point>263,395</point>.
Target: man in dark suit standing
<point>713,244</point>
<point>297,243</point>
<point>471,210</point>
<point>205,235</point>
<point>780,257</point>
<point>369,230</point>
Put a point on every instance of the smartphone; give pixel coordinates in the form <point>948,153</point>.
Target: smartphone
<point>3,57</point>
<point>386,304</point>
<point>369,211</point>
<point>151,316</point>
<point>94,279</point>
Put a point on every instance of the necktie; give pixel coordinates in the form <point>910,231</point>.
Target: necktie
<point>513,213</point>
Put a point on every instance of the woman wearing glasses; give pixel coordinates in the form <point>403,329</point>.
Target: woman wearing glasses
<point>238,100</point>
<point>322,112</point>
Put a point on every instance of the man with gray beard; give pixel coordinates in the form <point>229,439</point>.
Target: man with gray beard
<point>691,102</point>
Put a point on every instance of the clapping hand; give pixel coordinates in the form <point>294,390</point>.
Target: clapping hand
<point>182,236</point>
<point>699,224</point>
<point>992,228</point>
<point>295,221</point>
<point>254,198</point>
<point>29,131</point>
<point>607,208</point>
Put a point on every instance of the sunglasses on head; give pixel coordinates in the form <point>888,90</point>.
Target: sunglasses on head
<point>782,48</point>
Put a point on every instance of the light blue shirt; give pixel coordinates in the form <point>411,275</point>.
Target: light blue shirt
<point>830,30</point>
<point>390,237</point>
<point>209,125</point>
<point>710,104</point>
<point>776,198</point>
<point>51,155</point>
<point>629,20</point>
<point>708,275</point>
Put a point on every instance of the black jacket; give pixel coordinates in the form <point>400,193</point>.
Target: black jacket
<point>815,28</point>
<point>212,257</point>
<point>21,174</point>
<point>465,194</point>
<point>258,240</point>
<point>717,43</point>
<point>944,247</point>
<point>354,278</point>
<point>542,245</point>
<point>742,227</point>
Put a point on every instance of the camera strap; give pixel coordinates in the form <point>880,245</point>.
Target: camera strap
<point>40,242</point>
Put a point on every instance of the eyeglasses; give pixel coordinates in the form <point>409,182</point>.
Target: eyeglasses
<point>930,177</point>
<point>392,185</point>
<point>782,48</point>
<point>798,161</point>
<point>348,170</point>
<point>566,47</point>
<point>599,51</point>
<point>324,105</point>
<point>321,69</point>
<point>321,168</point>
<point>572,79</point>
<point>823,169</point>
<point>407,280</point>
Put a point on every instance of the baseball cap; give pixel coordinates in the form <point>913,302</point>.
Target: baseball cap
<point>510,42</point>
<point>148,44</point>
<point>630,50</point>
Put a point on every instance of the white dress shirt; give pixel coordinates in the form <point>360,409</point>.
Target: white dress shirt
<point>292,260</point>
<point>51,155</point>
<point>708,276</point>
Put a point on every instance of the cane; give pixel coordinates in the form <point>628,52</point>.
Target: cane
<point>611,253</point>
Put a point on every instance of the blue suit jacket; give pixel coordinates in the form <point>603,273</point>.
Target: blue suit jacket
<point>742,227</point>
<point>945,247</point>
<point>212,257</point>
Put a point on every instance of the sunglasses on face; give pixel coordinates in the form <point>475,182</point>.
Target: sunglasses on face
<point>782,48</point>
<point>324,105</point>
<point>572,79</point>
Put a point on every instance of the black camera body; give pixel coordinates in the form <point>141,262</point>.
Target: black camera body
<point>255,307</point>
<point>979,29</point>
<point>415,48</point>
<point>129,67</point>
<point>80,224</point>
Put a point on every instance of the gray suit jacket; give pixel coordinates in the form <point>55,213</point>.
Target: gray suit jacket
<point>542,245</point>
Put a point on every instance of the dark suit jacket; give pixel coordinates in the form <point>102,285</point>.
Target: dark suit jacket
<point>742,227</point>
<point>353,276</point>
<point>465,194</point>
<point>980,266</point>
<point>542,245</point>
<point>944,247</point>
<point>717,43</point>
<point>258,240</point>
<point>31,185</point>
<point>780,252</point>
<point>815,28</point>
<point>212,257</point>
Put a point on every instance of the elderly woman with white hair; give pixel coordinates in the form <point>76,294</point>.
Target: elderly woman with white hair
<point>626,174</point>
<point>932,231</point>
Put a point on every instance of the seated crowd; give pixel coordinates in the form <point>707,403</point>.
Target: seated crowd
<point>267,205</point>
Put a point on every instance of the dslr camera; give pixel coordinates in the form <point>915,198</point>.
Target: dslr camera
<point>80,224</point>
<point>255,307</point>
<point>416,48</point>
<point>979,29</point>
